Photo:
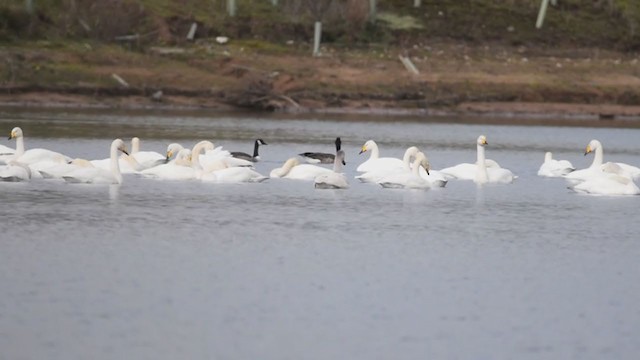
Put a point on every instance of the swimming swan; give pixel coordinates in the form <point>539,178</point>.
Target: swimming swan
<point>145,159</point>
<point>377,174</point>
<point>6,154</point>
<point>245,156</point>
<point>486,174</point>
<point>612,181</point>
<point>482,171</point>
<point>292,169</point>
<point>228,175</point>
<point>409,178</point>
<point>15,171</point>
<point>178,169</point>
<point>128,164</point>
<point>57,171</point>
<point>33,156</point>
<point>595,170</point>
<point>213,158</point>
<point>335,179</point>
<point>375,162</point>
<point>93,175</point>
<point>554,168</point>
<point>319,157</point>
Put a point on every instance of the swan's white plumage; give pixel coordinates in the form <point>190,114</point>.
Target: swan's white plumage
<point>483,171</point>
<point>14,172</point>
<point>595,170</point>
<point>226,175</point>
<point>379,173</point>
<point>127,163</point>
<point>335,179</point>
<point>408,178</point>
<point>233,175</point>
<point>177,169</point>
<point>612,181</point>
<point>94,175</point>
<point>554,168</point>
<point>466,171</point>
<point>292,169</point>
<point>375,162</point>
<point>57,171</point>
<point>33,156</point>
<point>145,159</point>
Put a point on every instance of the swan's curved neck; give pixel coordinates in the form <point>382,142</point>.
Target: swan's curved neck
<point>287,167</point>
<point>135,145</point>
<point>548,157</point>
<point>481,171</point>
<point>598,158</point>
<point>416,166</point>
<point>114,165</point>
<point>337,164</point>
<point>19,146</point>
<point>132,162</point>
<point>406,159</point>
<point>375,153</point>
<point>195,155</point>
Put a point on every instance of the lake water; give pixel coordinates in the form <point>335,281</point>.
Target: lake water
<point>279,270</point>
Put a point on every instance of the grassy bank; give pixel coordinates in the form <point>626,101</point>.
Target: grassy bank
<point>466,51</point>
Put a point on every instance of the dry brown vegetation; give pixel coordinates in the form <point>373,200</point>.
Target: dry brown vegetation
<point>467,55</point>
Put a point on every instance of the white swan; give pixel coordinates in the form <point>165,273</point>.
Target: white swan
<point>335,179</point>
<point>5,150</point>
<point>93,175</point>
<point>230,175</point>
<point>483,171</point>
<point>15,171</point>
<point>127,163</point>
<point>57,171</point>
<point>214,158</point>
<point>554,168</point>
<point>292,169</point>
<point>6,154</point>
<point>408,179</point>
<point>612,181</point>
<point>376,175</point>
<point>434,177</point>
<point>595,170</point>
<point>33,156</point>
<point>146,159</point>
<point>178,169</point>
<point>375,162</point>
<point>486,174</point>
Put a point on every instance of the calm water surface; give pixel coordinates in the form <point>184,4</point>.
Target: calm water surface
<point>279,270</point>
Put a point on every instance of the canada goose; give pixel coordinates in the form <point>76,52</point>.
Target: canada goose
<point>321,158</point>
<point>245,156</point>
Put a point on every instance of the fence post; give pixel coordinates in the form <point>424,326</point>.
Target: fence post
<point>373,10</point>
<point>542,13</point>
<point>231,7</point>
<point>28,5</point>
<point>316,38</point>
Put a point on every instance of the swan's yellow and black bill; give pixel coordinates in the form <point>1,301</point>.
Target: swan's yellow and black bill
<point>125,151</point>
<point>169,155</point>
<point>587,150</point>
<point>364,149</point>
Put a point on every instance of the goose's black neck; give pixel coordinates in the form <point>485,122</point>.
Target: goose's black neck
<point>256,145</point>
